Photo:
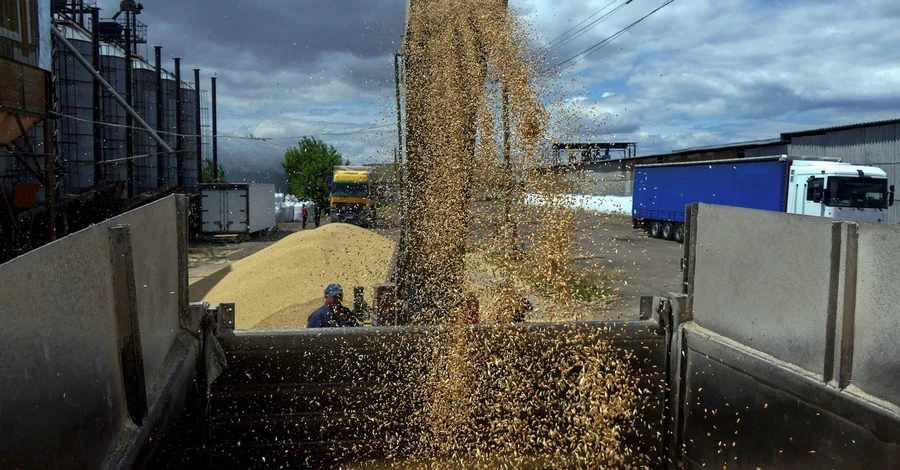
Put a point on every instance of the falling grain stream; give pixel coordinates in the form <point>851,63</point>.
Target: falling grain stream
<point>499,395</point>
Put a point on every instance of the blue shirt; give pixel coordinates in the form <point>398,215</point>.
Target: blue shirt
<point>323,317</point>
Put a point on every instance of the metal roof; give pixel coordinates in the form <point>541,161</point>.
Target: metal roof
<point>712,148</point>
<point>591,145</point>
<point>252,161</point>
<point>822,130</point>
<point>732,145</point>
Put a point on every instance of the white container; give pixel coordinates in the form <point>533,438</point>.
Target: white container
<point>237,208</point>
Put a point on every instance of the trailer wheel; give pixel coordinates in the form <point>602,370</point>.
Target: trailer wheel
<point>655,229</point>
<point>668,230</point>
<point>679,233</point>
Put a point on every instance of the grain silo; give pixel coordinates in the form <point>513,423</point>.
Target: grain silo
<point>145,148</point>
<point>168,129</point>
<point>189,140</point>
<point>74,92</point>
<point>112,68</point>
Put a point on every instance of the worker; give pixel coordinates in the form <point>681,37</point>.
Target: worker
<point>305,214</point>
<point>332,313</point>
<point>317,212</point>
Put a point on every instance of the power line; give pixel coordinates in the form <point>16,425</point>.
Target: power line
<point>175,134</point>
<point>566,32</point>
<point>590,26</point>
<point>585,53</point>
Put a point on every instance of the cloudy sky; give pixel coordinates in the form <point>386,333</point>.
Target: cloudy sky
<point>696,72</point>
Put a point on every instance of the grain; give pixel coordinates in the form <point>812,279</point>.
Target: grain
<point>500,396</point>
<point>278,287</point>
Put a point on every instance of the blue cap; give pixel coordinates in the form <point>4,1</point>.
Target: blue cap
<point>333,290</point>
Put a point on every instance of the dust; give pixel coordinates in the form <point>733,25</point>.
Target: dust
<point>279,287</point>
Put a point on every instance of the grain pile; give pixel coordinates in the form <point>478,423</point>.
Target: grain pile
<point>281,285</point>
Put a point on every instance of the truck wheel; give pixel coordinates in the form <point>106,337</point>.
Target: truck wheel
<point>679,233</point>
<point>668,230</point>
<point>655,229</point>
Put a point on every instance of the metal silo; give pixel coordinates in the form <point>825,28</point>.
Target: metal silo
<point>74,92</point>
<point>168,128</point>
<point>112,67</point>
<point>189,142</point>
<point>144,103</point>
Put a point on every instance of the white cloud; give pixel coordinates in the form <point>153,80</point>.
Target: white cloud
<point>709,72</point>
<point>695,73</point>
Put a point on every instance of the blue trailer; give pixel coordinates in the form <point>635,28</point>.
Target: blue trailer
<point>801,185</point>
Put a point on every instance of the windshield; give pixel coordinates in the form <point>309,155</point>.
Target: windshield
<point>349,189</point>
<point>848,191</point>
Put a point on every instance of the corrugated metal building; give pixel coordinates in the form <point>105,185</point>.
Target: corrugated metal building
<point>253,161</point>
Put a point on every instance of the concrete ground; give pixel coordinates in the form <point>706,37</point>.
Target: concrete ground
<point>638,264</point>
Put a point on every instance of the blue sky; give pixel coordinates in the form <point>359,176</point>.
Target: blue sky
<point>698,72</point>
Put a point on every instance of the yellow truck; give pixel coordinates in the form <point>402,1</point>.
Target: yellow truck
<point>352,201</point>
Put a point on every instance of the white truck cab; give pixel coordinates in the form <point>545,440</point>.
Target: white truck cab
<point>839,190</point>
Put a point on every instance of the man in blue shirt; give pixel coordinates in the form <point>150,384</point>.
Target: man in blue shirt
<point>332,313</point>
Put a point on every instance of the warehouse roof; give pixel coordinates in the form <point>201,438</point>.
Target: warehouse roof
<point>713,148</point>
<point>732,145</point>
<point>822,130</point>
<point>252,161</point>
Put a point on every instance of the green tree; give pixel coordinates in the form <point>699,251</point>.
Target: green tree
<point>309,165</point>
<point>209,174</point>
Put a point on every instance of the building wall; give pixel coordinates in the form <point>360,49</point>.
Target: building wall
<point>877,146</point>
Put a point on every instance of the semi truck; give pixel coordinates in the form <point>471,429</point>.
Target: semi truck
<point>815,186</point>
<point>351,196</point>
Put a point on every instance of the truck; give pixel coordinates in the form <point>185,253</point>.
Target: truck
<point>236,209</point>
<point>109,365</point>
<point>823,187</point>
<point>351,196</point>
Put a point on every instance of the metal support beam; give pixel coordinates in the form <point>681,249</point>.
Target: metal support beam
<point>215,135</point>
<point>50,175</point>
<point>129,122</point>
<point>109,89</point>
<point>197,127</point>
<point>179,140</point>
<point>125,294</point>
<point>97,99</point>
<point>160,155</point>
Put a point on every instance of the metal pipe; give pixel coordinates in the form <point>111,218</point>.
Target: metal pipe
<point>97,98</point>
<point>179,140</point>
<point>109,89</point>
<point>160,155</point>
<point>129,122</point>
<point>215,135</point>
<point>49,166</point>
<point>197,127</point>
<point>399,120</point>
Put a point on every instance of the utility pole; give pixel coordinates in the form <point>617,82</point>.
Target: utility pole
<point>197,127</point>
<point>215,135</point>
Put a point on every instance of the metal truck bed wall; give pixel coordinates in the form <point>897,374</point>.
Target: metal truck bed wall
<point>95,359</point>
<point>316,397</point>
<point>662,191</point>
<point>791,359</point>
